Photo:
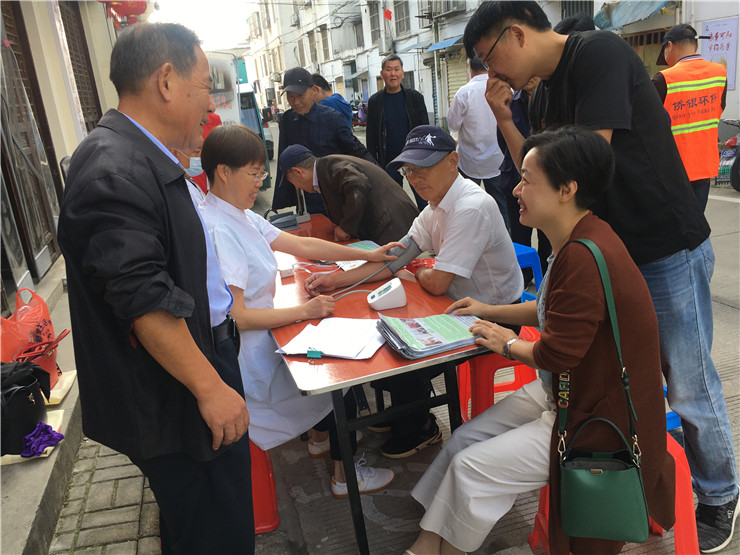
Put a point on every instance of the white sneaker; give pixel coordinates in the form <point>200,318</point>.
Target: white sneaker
<point>318,449</point>
<point>369,480</point>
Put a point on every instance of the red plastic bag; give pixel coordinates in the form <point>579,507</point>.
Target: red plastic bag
<point>31,323</point>
<point>417,263</point>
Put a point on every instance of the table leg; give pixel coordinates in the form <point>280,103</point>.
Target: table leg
<point>453,402</point>
<point>353,490</point>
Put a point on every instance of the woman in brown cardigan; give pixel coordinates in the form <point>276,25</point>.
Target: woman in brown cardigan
<point>511,448</point>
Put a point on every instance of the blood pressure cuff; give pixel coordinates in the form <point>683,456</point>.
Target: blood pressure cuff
<point>405,256</point>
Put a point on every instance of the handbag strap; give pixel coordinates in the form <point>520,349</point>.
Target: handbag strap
<point>564,377</point>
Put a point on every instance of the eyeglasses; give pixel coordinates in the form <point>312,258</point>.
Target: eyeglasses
<point>407,171</point>
<point>258,176</point>
<point>484,60</point>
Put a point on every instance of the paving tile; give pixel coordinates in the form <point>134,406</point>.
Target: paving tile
<point>117,533</point>
<point>148,546</point>
<point>116,472</point>
<point>100,496</point>
<point>84,464</point>
<point>62,543</point>
<point>87,451</point>
<point>149,521</point>
<point>76,492</point>
<point>72,507</point>
<point>126,548</point>
<point>105,451</point>
<point>97,550</point>
<point>67,523</point>
<point>149,495</point>
<point>110,516</point>
<point>129,491</point>
<point>80,478</point>
<point>112,460</point>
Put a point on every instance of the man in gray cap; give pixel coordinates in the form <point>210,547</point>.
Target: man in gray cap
<point>317,127</point>
<point>693,92</point>
<point>475,258</point>
<point>360,198</point>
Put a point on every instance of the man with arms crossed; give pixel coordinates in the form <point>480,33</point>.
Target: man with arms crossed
<point>475,257</point>
<point>156,351</point>
<point>595,79</point>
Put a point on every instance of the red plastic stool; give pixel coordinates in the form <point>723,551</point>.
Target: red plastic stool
<point>476,378</point>
<point>266,516</point>
<point>685,541</point>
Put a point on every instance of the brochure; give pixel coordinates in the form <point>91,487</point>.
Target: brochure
<point>348,265</point>
<point>421,337</point>
<point>351,338</point>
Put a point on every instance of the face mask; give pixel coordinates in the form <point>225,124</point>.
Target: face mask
<point>195,168</point>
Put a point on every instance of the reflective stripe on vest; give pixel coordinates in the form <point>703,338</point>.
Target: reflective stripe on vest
<point>693,102</point>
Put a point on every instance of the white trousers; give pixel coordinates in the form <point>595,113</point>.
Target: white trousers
<point>486,463</point>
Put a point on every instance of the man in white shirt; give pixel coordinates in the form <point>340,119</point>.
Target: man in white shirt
<point>474,258</point>
<point>472,118</point>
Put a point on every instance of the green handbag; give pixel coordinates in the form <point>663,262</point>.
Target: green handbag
<point>601,493</point>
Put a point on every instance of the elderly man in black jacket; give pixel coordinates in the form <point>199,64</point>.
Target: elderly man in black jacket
<point>391,114</point>
<point>155,347</point>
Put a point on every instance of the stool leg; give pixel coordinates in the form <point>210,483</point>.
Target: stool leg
<point>684,531</point>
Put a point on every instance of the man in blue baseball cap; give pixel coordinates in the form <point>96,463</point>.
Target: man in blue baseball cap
<point>475,258</point>
<point>360,198</point>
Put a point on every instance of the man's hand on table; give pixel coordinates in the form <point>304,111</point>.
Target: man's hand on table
<point>316,284</point>
<point>340,234</point>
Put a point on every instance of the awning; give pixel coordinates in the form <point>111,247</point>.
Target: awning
<point>443,44</point>
<point>422,44</point>
<point>357,74</point>
<point>614,15</point>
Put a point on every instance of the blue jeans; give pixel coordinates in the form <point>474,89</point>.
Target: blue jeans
<point>679,287</point>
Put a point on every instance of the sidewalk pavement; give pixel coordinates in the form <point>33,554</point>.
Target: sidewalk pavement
<point>108,508</point>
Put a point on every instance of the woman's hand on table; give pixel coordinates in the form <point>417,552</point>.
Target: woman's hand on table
<point>468,305</point>
<point>316,284</point>
<point>318,307</point>
<point>492,336</point>
<point>381,253</point>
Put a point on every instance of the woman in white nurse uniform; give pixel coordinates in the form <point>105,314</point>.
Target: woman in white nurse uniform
<point>233,158</point>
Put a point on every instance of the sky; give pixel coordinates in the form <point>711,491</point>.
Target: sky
<point>220,24</point>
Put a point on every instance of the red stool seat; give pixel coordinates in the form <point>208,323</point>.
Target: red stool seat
<point>264,498</point>
<point>685,540</point>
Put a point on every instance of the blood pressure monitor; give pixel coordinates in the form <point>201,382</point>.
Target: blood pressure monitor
<point>387,296</point>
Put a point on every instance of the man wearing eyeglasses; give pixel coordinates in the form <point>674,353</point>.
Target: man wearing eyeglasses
<point>475,258</point>
<point>595,79</point>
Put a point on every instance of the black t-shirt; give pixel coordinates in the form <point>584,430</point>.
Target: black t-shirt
<point>601,83</point>
<point>396,123</point>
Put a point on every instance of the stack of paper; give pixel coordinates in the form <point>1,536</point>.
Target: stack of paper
<point>422,337</point>
<point>337,337</point>
<point>348,265</point>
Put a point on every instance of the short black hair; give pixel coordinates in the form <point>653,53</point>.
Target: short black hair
<point>142,49</point>
<point>476,65</point>
<point>573,153</point>
<point>492,17</point>
<point>391,58</point>
<point>232,145</point>
<point>320,82</point>
<point>573,24</point>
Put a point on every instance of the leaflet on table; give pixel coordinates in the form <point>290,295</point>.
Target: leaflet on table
<point>348,265</point>
<point>351,338</point>
<point>421,337</point>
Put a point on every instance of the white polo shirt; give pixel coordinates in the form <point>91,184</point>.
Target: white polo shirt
<point>468,235</point>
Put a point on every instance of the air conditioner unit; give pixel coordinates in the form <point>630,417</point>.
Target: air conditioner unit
<point>295,20</point>
<point>275,77</point>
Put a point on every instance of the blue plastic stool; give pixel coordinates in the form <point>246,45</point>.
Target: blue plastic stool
<point>528,258</point>
<point>672,420</point>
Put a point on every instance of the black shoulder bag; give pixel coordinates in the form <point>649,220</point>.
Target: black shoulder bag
<point>601,494</point>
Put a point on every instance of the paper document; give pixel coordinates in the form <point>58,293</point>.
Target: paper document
<point>337,337</point>
<point>348,265</point>
<point>422,337</point>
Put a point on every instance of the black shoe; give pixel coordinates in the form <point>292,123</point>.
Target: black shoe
<point>380,427</point>
<point>405,446</point>
<point>715,525</point>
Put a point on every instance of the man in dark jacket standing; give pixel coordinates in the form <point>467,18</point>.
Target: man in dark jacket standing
<point>391,114</point>
<point>156,350</point>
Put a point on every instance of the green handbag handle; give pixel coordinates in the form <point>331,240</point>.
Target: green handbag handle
<point>564,377</point>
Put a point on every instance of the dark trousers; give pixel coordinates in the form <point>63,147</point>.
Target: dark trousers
<point>406,388</point>
<point>701,190</point>
<point>330,423</point>
<point>205,507</point>
<point>493,188</point>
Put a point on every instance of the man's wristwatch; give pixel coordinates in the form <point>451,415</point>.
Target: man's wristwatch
<point>506,351</point>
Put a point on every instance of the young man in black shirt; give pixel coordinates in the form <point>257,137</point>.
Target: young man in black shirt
<point>596,80</point>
